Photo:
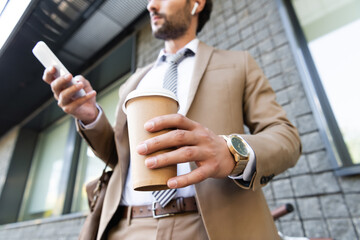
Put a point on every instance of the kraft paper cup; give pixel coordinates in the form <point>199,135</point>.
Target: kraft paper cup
<point>141,106</point>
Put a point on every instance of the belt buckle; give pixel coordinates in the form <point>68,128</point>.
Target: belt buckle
<point>153,209</point>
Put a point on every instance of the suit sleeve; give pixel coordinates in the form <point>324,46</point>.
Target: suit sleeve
<point>273,138</point>
<point>101,138</point>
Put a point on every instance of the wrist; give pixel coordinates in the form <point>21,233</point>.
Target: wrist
<point>91,117</point>
<point>89,121</point>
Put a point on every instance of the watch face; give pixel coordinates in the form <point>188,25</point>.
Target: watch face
<point>239,146</point>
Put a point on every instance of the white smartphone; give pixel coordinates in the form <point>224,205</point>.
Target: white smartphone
<point>47,58</point>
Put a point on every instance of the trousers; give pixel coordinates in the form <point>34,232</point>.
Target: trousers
<point>177,227</point>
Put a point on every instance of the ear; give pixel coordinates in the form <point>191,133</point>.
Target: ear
<point>193,11</point>
<point>198,7</point>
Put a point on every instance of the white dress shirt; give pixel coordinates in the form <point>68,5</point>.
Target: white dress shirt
<point>154,79</point>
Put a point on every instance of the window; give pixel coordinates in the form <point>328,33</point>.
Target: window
<point>44,194</point>
<point>328,32</point>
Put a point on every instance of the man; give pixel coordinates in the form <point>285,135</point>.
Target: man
<point>219,92</point>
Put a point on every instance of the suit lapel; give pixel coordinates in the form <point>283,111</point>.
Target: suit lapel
<point>202,58</point>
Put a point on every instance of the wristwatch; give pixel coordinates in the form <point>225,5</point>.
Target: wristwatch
<point>239,148</point>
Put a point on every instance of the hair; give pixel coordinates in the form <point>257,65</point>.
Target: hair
<point>204,15</point>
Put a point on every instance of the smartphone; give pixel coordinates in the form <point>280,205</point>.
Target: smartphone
<point>47,58</point>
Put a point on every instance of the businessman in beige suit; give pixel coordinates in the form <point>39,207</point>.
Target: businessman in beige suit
<point>219,92</point>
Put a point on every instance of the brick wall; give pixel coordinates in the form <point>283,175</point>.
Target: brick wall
<point>59,228</point>
<point>325,205</point>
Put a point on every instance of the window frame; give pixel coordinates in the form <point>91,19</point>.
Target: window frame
<point>329,130</point>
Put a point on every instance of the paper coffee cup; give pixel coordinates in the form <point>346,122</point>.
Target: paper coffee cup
<point>141,106</point>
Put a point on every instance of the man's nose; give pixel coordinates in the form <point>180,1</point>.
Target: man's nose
<point>153,5</point>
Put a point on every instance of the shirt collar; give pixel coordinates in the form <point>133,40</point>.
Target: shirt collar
<point>192,45</point>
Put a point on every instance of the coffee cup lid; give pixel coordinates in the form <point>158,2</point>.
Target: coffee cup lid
<point>149,92</point>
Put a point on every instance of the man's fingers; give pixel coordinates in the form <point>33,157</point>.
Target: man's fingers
<point>180,155</point>
<point>71,105</point>
<point>66,95</point>
<point>48,75</point>
<point>169,121</point>
<point>195,176</point>
<point>59,84</point>
<point>171,139</point>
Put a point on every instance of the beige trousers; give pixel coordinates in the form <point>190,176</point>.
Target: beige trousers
<point>177,227</point>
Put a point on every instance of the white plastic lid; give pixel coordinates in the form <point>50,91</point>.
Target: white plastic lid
<point>149,92</point>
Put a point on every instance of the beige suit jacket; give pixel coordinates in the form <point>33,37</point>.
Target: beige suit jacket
<point>228,90</point>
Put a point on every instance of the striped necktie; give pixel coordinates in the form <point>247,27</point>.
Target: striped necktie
<point>171,76</point>
<point>163,197</point>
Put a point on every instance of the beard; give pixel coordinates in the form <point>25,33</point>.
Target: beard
<point>174,26</point>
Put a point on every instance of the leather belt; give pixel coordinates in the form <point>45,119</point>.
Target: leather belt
<point>175,206</point>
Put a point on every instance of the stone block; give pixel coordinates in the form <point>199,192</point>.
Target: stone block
<point>266,46</point>
<point>234,40</point>
<point>309,208</point>
<point>303,185</point>
<point>316,229</point>
<point>334,206</point>
<point>319,161</point>
<point>277,83</point>
<point>291,78</point>
<point>260,25</point>
<point>268,58</point>
<point>231,21</point>
<point>353,203</point>
<point>288,64</point>
<point>248,43</point>
<point>275,27</point>
<point>240,5</point>
<point>272,70</point>
<point>262,34</point>
<point>282,188</point>
<point>282,97</point>
<point>280,39</point>
<point>350,184</point>
<point>342,229</point>
<point>326,183</point>
<point>301,167</point>
<point>268,192</point>
<point>302,107</point>
<point>246,32</point>
<point>292,229</point>
<point>306,124</point>
<point>311,142</point>
<point>356,222</point>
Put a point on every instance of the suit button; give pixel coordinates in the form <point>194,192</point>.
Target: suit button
<point>266,179</point>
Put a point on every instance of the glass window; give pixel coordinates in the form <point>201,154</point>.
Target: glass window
<point>332,32</point>
<point>90,167</point>
<point>44,194</point>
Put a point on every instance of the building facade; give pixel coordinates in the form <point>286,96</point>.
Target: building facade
<point>324,186</point>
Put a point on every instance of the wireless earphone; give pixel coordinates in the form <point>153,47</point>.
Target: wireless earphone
<point>194,8</point>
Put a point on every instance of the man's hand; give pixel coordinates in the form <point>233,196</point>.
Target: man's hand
<point>83,108</point>
<point>193,143</point>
